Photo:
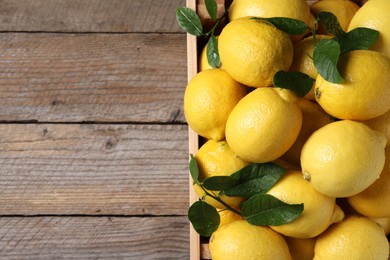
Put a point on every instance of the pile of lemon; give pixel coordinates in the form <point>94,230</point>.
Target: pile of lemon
<point>335,141</point>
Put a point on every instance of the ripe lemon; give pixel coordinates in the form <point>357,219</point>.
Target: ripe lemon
<point>240,240</point>
<point>253,51</point>
<point>264,124</point>
<point>303,59</point>
<point>296,9</point>
<point>375,200</point>
<point>319,212</point>
<point>354,238</point>
<point>381,124</point>
<point>301,248</point>
<point>365,92</point>
<point>384,223</point>
<point>314,117</point>
<point>227,216</point>
<point>344,10</point>
<point>217,159</point>
<point>208,99</point>
<point>375,15</point>
<point>343,158</point>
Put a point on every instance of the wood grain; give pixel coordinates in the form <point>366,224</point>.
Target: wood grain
<point>92,77</point>
<point>94,238</point>
<point>93,169</point>
<point>89,15</point>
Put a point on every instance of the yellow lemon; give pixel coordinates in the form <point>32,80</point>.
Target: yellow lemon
<point>343,158</point>
<point>253,51</point>
<point>375,200</point>
<point>240,240</point>
<point>354,238</point>
<point>208,100</point>
<point>365,92</point>
<point>264,124</point>
<point>301,248</point>
<point>217,159</point>
<point>314,117</point>
<point>296,9</point>
<point>303,59</point>
<point>227,216</point>
<point>384,223</point>
<point>344,10</point>
<point>319,212</point>
<point>381,124</point>
<point>375,15</point>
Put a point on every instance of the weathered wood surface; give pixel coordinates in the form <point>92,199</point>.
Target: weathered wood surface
<point>93,169</point>
<point>93,238</point>
<point>92,77</point>
<point>89,15</point>
<point>93,140</point>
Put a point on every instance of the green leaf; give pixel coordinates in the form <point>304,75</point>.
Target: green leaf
<point>296,81</point>
<point>194,169</point>
<point>266,210</point>
<point>331,24</point>
<point>255,178</point>
<point>287,25</point>
<point>219,182</point>
<point>325,57</point>
<point>212,52</point>
<point>258,170</point>
<point>189,21</point>
<point>358,39</point>
<point>211,7</point>
<point>204,218</point>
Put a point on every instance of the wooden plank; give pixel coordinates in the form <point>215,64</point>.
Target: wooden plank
<point>94,238</point>
<point>93,169</point>
<point>193,139</point>
<point>92,77</point>
<point>89,15</point>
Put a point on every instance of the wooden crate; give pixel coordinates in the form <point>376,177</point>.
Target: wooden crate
<point>199,249</point>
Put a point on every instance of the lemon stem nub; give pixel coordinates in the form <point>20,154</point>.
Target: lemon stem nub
<point>306,176</point>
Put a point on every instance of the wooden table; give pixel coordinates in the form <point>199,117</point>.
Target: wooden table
<point>93,140</point>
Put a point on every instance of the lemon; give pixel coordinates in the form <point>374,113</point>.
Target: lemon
<point>240,240</point>
<point>365,92</point>
<point>381,124</point>
<point>375,200</point>
<point>264,124</point>
<point>354,238</point>
<point>253,51</point>
<point>227,216</point>
<point>217,159</point>
<point>384,223</point>
<point>301,248</point>
<point>319,212</point>
<point>303,59</point>
<point>208,100</point>
<point>296,9</point>
<point>375,15</point>
<point>344,10</point>
<point>343,158</point>
<point>314,117</point>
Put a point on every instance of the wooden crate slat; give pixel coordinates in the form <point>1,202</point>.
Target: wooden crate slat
<point>93,169</point>
<point>94,238</point>
<point>92,77</point>
<point>90,15</point>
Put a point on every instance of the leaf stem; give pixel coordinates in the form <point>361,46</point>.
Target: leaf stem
<point>212,30</point>
<point>220,201</point>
